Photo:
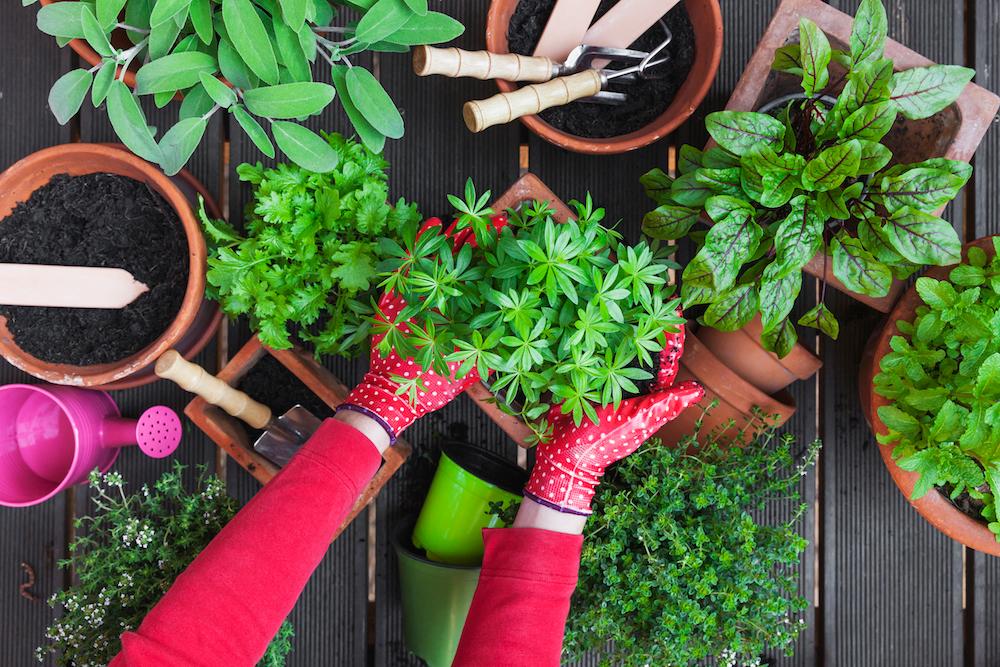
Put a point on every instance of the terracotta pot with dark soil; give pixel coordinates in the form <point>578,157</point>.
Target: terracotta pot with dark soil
<point>281,379</point>
<point>934,506</point>
<point>100,205</point>
<point>953,133</point>
<point>742,352</point>
<point>655,108</point>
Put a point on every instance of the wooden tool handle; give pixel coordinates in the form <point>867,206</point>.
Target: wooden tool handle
<point>192,377</point>
<point>505,107</point>
<point>481,64</point>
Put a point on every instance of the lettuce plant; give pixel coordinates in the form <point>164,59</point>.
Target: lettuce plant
<point>309,250</point>
<point>814,177</point>
<point>943,378</point>
<point>563,313</point>
<point>677,565</point>
<point>252,58</point>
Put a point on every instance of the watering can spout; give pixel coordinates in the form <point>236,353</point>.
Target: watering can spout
<point>157,432</point>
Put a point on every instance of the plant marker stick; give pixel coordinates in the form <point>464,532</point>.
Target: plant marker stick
<point>624,23</point>
<point>67,286</point>
<point>564,31</point>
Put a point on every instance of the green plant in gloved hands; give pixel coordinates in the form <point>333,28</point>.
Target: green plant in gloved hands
<point>128,554</point>
<point>252,58</point>
<point>678,567</point>
<point>943,377</point>
<point>308,254</point>
<point>815,178</point>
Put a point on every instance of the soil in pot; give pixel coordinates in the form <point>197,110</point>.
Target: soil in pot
<point>646,100</point>
<point>101,220</point>
<point>271,383</point>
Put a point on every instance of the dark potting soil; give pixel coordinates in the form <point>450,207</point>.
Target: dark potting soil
<point>646,99</point>
<point>97,220</point>
<point>966,503</point>
<point>270,383</point>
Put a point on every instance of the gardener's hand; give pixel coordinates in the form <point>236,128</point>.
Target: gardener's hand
<point>569,466</point>
<point>395,391</point>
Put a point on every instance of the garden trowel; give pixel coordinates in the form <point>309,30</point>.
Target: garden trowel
<point>68,286</point>
<point>282,435</point>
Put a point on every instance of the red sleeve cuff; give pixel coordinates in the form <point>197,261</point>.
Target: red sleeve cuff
<point>554,557</point>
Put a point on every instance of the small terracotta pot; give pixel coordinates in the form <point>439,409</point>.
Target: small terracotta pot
<point>741,351</point>
<point>92,58</point>
<point>953,133</point>
<point>737,398</point>
<point>17,184</point>
<point>231,434</point>
<point>706,19</point>
<point>933,506</point>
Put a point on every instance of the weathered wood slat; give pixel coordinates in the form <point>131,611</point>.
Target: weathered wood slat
<point>892,587</point>
<point>33,535</point>
<point>985,209</point>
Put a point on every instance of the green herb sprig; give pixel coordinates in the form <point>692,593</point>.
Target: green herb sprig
<point>676,568</point>
<point>816,177</point>
<point>254,59</point>
<point>943,377</point>
<point>563,312</point>
<point>128,554</point>
<point>309,254</point>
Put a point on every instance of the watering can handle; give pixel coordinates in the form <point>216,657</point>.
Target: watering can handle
<point>455,63</point>
<point>192,377</point>
<point>505,107</point>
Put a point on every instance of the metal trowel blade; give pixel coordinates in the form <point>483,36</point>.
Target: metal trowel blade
<point>286,434</point>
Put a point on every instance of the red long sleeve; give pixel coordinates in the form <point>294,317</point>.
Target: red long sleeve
<point>227,606</point>
<point>518,613</point>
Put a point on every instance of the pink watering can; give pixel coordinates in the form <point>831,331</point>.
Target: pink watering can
<point>51,437</point>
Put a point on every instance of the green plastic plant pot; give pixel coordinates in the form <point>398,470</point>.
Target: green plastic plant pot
<point>436,600</point>
<point>451,522</point>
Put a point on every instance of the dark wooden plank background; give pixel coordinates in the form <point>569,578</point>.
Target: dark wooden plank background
<point>886,589</point>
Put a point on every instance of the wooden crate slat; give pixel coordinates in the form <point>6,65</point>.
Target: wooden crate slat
<point>35,535</point>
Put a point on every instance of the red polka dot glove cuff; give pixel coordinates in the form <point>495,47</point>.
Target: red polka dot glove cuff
<point>570,466</point>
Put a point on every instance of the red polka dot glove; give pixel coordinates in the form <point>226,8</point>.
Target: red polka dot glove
<point>569,467</point>
<point>378,395</point>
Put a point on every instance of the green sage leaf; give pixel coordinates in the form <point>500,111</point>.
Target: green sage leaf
<point>289,100</point>
<point>370,137</point>
<point>96,36</point>
<point>180,142</point>
<point>253,130</point>
<point>249,36</point>
<point>102,83</point>
<point>67,94</point>
<point>130,124</point>
<point>62,19</point>
<point>417,6</point>
<point>290,51</point>
<point>220,93</point>
<point>201,20</point>
<point>174,72</point>
<point>304,147</point>
<point>233,67</point>
<point>107,12</point>
<point>921,92</point>
<point>294,13</point>
<point>373,102</point>
<point>161,38</point>
<point>431,28</point>
<point>167,10</point>
<point>196,102</point>
<point>383,19</point>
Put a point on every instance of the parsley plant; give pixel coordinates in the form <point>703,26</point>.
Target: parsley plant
<point>310,250</point>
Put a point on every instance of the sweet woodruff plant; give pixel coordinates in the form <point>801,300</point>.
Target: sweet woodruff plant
<point>253,59</point>
<point>814,176</point>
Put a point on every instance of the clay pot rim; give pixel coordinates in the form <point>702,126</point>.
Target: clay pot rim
<point>934,507</point>
<point>100,374</point>
<point>712,373</point>
<point>693,89</point>
<point>800,362</point>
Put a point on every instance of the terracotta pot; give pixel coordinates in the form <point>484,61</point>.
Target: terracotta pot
<point>231,434</point>
<point>17,184</point>
<point>737,398</point>
<point>954,133</point>
<point>742,352</point>
<point>706,18</point>
<point>92,58</point>
<point>933,506</point>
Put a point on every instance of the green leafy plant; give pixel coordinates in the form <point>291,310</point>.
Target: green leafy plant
<point>309,254</point>
<point>815,177</point>
<point>563,312</point>
<point>943,377</point>
<point>128,554</point>
<point>676,566</point>
<point>252,58</point>
<point>504,511</point>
